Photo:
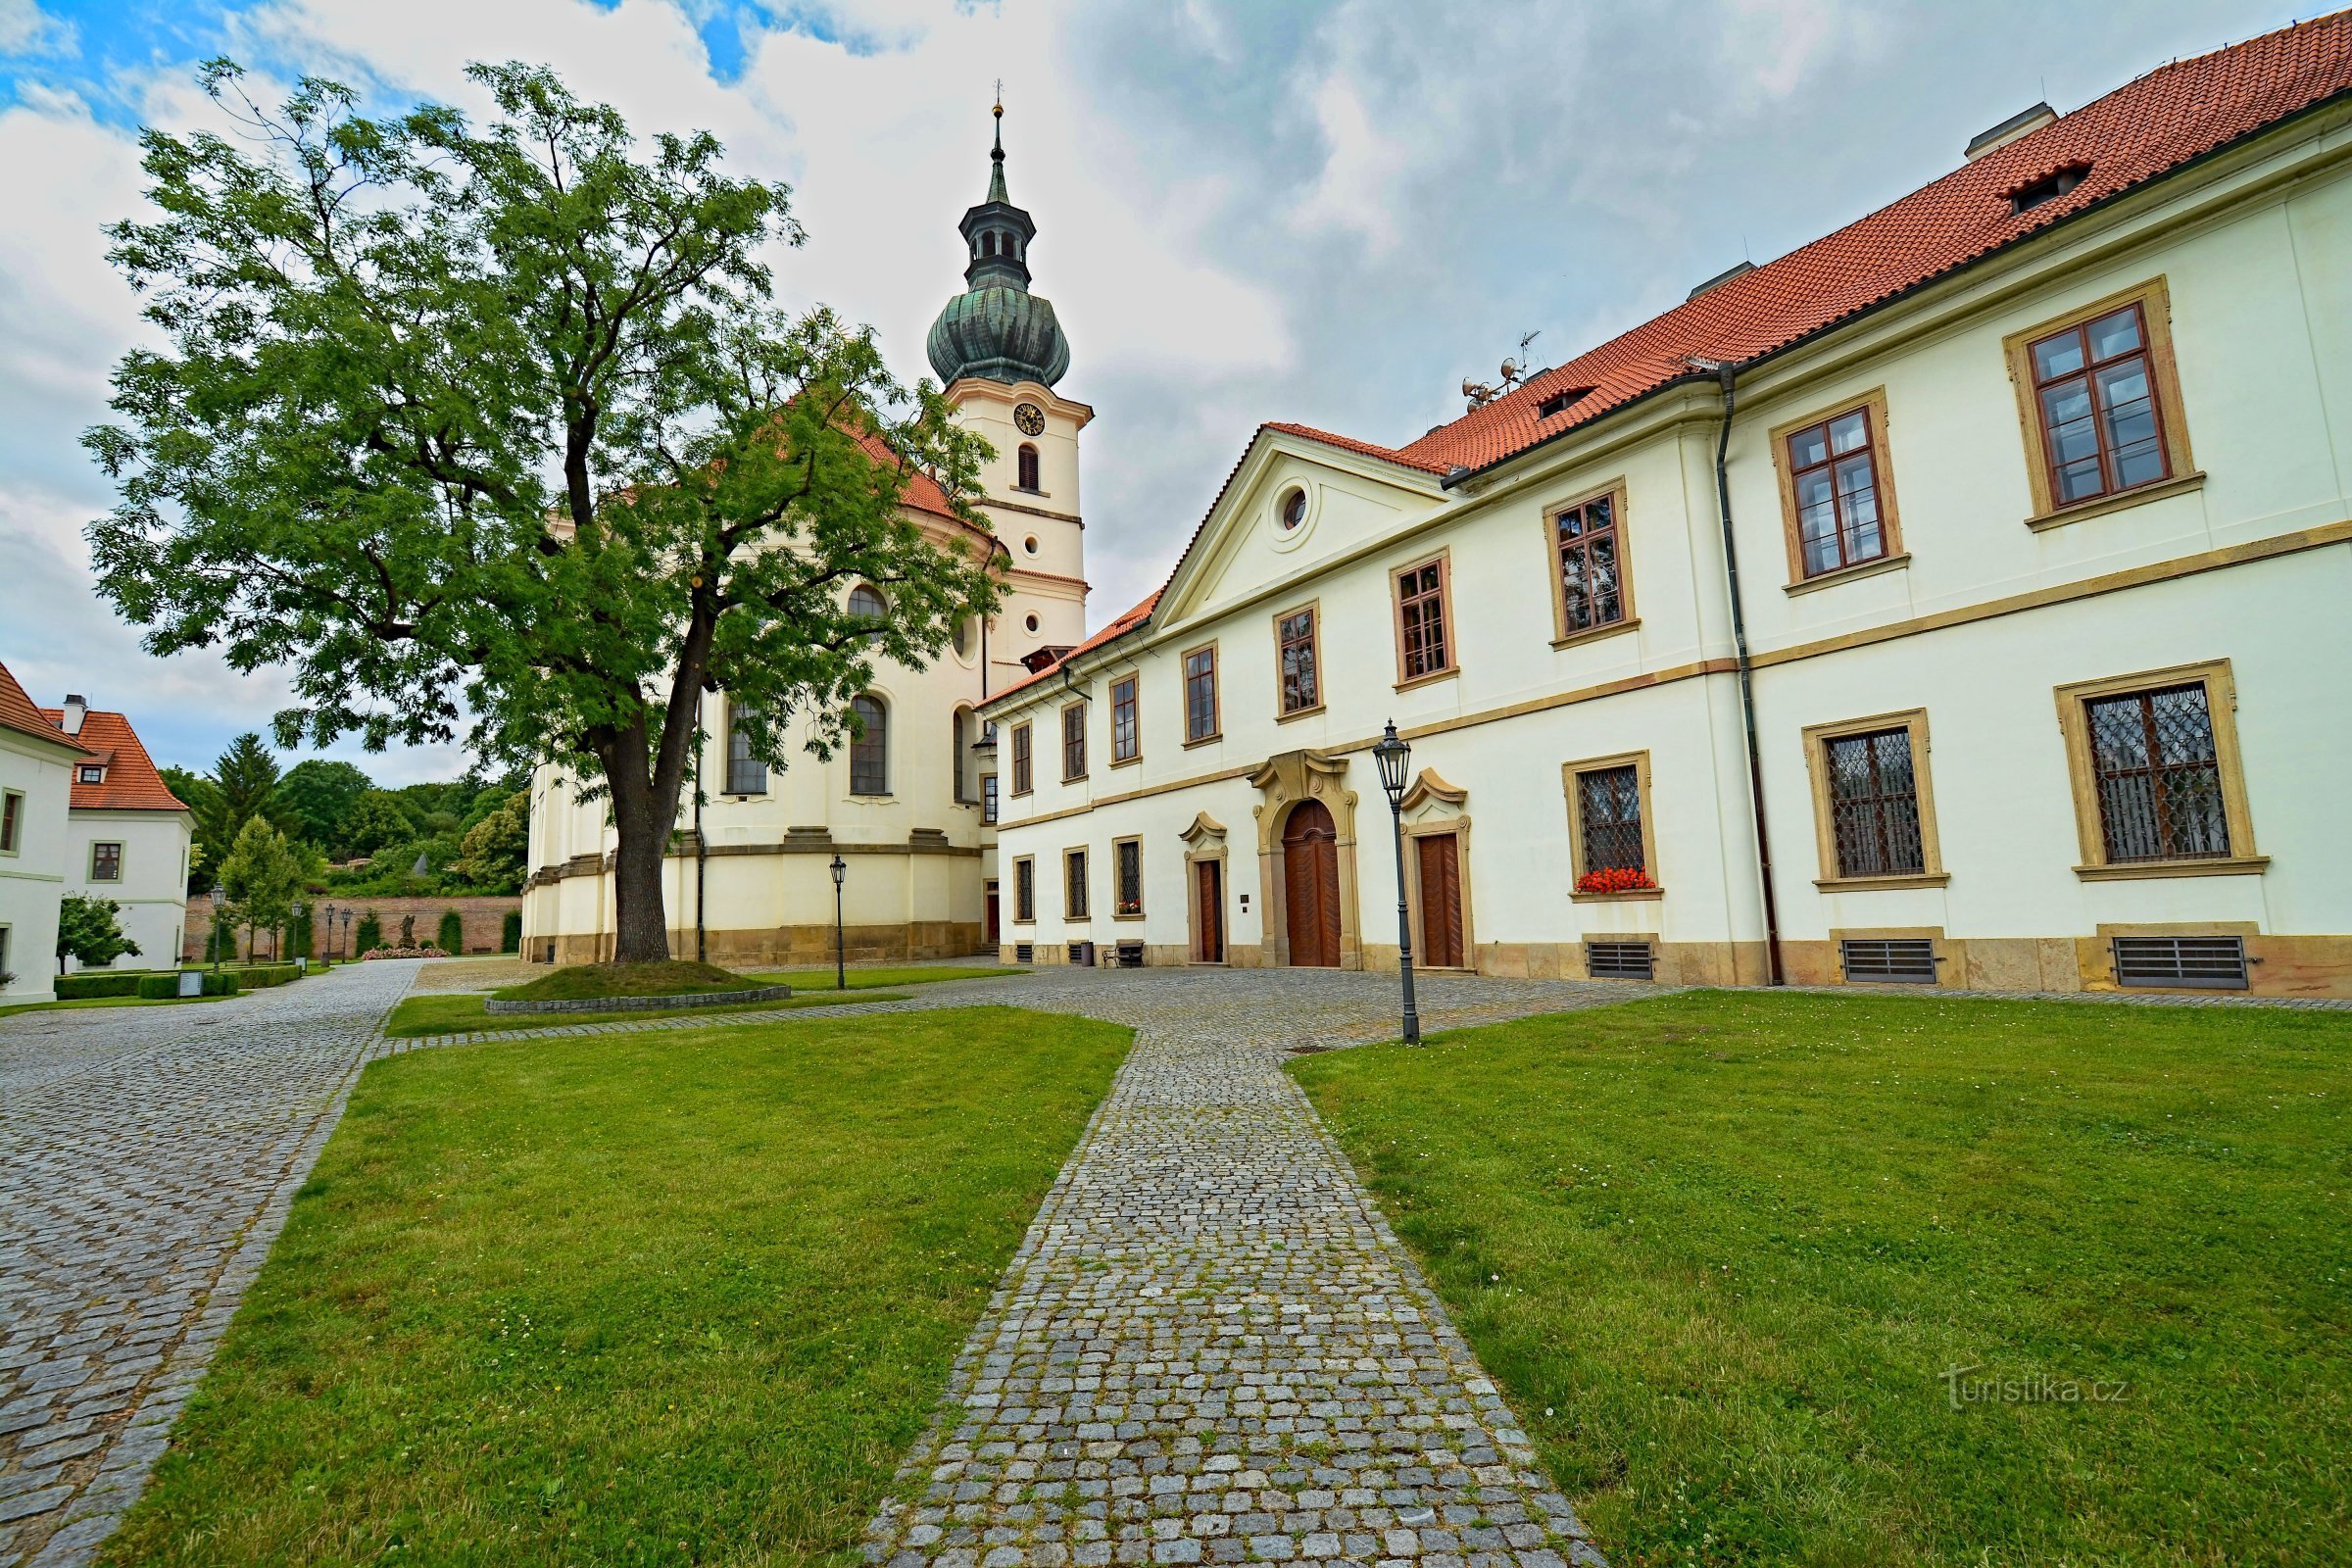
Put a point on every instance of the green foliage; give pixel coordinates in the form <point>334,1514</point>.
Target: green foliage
<point>495,847</point>
<point>510,932</point>
<point>262,976</point>
<point>501,421</point>
<point>163,987</point>
<point>369,935</point>
<point>459,1013</point>
<point>98,982</point>
<point>452,937</point>
<point>262,877</point>
<point>88,930</point>
<point>245,780</point>
<point>318,800</point>
<point>377,821</point>
<point>1721,1249</point>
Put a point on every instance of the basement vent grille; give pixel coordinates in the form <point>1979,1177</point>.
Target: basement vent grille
<point>2200,964</point>
<point>1620,960</point>
<point>1024,953</point>
<point>1888,961</point>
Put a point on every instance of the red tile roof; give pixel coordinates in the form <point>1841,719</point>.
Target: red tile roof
<point>131,782</point>
<point>1118,628</point>
<point>2149,128</point>
<point>17,713</point>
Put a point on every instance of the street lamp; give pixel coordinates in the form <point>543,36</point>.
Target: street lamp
<point>1392,755</point>
<point>297,924</point>
<point>329,954</point>
<point>216,928</point>
<point>343,947</point>
<point>841,963</point>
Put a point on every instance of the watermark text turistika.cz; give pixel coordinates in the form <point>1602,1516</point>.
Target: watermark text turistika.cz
<point>2034,1388</point>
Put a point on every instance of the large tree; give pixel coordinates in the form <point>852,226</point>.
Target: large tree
<point>499,423</point>
<point>316,798</point>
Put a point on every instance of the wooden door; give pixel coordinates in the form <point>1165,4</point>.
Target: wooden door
<point>1310,871</point>
<point>1208,941</point>
<point>1441,901</point>
<point>990,930</point>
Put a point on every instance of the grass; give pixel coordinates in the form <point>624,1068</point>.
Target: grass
<point>636,1300</point>
<point>458,1012</point>
<point>1721,1249</point>
<point>584,982</point>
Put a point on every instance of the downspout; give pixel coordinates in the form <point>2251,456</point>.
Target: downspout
<point>1725,373</point>
<point>701,859</point>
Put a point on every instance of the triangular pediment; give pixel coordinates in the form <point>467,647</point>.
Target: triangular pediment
<point>1255,535</point>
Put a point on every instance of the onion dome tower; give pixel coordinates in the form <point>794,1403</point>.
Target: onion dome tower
<point>996,328</point>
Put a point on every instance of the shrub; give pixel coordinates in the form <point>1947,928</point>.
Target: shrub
<point>300,936</point>
<point>371,934</point>
<point>258,976</point>
<point>510,932</point>
<point>453,931</point>
<point>96,982</point>
<point>160,987</point>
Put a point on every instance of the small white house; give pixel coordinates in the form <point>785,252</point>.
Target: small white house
<point>127,836</point>
<point>36,760</point>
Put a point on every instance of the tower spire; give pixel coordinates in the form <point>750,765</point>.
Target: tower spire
<point>996,156</point>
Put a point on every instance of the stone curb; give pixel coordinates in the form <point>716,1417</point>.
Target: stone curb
<point>695,998</point>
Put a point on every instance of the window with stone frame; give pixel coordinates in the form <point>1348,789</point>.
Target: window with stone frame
<point>106,861</point>
<point>1425,646</point>
<point>1834,469</point>
<point>1024,890</point>
<point>2158,775</point>
<point>1127,876</point>
<point>869,747</point>
<point>746,773</point>
<point>1126,735</point>
<point>2096,397</point>
<point>1022,780</point>
<point>1073,884</point>
<point>1873,789</point>
<point>1609,821</point>
<point>1589,549</point>
<point>1295,655</point>
<point>1200,694</point>
<point>1073,742</point>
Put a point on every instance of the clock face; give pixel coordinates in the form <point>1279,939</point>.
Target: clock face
<point>1030,417</point>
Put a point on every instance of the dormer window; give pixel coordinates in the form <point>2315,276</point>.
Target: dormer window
<point>2048,188</point>
<point>93,775</point>
<point>1558,402</point>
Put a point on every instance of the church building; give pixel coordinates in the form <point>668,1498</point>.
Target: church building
<point>907,805</point>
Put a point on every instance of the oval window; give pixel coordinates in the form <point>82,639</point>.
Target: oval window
<point>1294,510</point>
<point>1030,544</point>
<point>1031,623</point>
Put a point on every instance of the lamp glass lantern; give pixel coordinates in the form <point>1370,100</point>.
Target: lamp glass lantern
<point>1391,755</point>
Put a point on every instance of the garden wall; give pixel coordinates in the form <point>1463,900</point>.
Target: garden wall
<point>483,917</point>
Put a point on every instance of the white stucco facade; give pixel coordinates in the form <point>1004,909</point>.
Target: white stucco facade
<point>149,858</point>
<point>34,776</point>
<point>1988,632</point>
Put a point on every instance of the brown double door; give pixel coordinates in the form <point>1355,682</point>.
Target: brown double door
<point>1441,867</point>
<point>1310,871</point>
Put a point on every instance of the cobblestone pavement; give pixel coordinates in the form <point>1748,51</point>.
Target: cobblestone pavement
<point>1211,1346</point>
<point>147,1157</point>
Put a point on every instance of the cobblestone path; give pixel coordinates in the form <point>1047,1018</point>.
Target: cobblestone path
<point>1211,1346</point>
<point>147,1157</point>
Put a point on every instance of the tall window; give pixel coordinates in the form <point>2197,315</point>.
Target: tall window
<point>746,773</point>
<point>1021,760</point>
<point>870,749</point>
<point>866,603</point>
<point>1126,736</point>
<point>1073,884</point>
<point>11,821</point>
<point>105,862</point>
<point>1294,644</point>
<point>1607,801</point>
<point>1027,458</point>
<point>1834,469</point>
<point>1127,876</point>
<point>959,754</point>
<point>1073,742</point>
<point>1874,803</point>
<point>1200,694</point>
<point>2158,775</point>
<point>1024,890</point>
<point>1423,643</point>
<point>1584,538</point>
<point>988,797</point>
<point>2094,389</point>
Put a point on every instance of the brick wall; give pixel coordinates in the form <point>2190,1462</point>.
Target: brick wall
<point>484,918</point>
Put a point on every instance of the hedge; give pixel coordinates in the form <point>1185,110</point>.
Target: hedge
<point>96,982</point>
<point>452,932</point>
<point>259,976</point>
<point>157,986</point>
<point>510,932</point>
<point>371,934</point>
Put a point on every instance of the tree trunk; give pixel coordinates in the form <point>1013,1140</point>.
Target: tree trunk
<point>640,923</point>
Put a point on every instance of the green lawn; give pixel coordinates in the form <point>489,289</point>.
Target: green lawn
<point>586,982</point>
<point>632,1299</point>
<point>456,1012</point>
<point>1721,1249</point>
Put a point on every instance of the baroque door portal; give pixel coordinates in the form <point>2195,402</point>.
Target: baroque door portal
<point>1441,899</point>
<point>1310,871</point>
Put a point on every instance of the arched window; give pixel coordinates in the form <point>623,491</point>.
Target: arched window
<point>987,244</point>
<point>866,604</point>
<point>870,748</point>
<point>746,773</point>
<point>1028,463</point>
<point>960,760</point>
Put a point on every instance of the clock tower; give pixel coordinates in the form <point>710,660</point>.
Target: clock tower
<point>999,350</point>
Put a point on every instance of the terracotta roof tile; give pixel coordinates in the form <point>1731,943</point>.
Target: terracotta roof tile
<point>1121,627</point>
<point>19,713</point>
<point>2146,129</point>
<point>131,782</point>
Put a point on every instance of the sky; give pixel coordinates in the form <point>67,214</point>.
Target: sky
<point>1327,212</point>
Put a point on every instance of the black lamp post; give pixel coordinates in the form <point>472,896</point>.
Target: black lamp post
<point>343,947</point>
<point>217,896</point>
<point>329,956</point>
<point>1392,755</point>
<point>296,925</point>
<point>841,963</point>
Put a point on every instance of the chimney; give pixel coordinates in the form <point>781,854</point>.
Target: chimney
<point>2015,127</point>
<point>70,721</point>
